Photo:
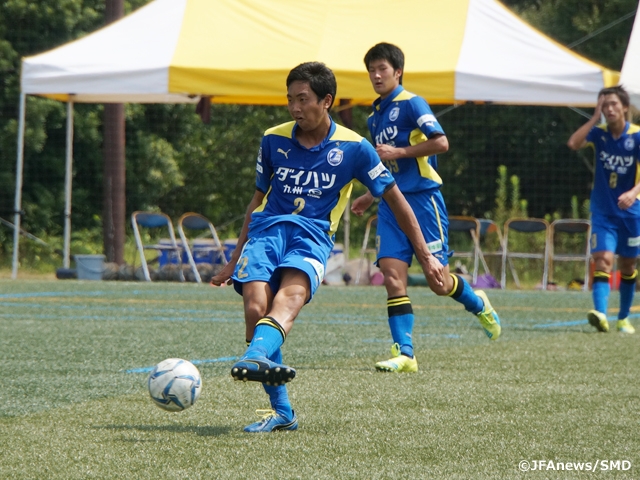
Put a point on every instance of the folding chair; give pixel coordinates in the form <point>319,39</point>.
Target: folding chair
<point>209,252</point>
<point>530,229</point>
<point>564,234</point>
<point>151,221</point>
<point>366,251</point>
<point>491,245</point>
<point>471,226</point>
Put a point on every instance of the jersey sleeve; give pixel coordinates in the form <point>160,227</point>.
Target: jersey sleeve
<point>425,120</point>
<point>264,169</point>
<point>371,172</point>
<point>592,136</point>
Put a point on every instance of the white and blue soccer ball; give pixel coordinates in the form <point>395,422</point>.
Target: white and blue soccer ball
<point>174,384</point>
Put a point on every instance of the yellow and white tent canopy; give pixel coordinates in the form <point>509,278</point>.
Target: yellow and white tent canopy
<point>240,51</point>
<point>630,75</point>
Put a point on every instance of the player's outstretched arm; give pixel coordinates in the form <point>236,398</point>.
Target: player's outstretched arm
<point>579,138</point>
<point>360,204</point>
<point>227,271</point>
<point>431,266</point>
<point>628,198</point>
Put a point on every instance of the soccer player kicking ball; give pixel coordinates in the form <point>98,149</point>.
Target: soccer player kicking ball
<point>615,209</point>
<point>304,175</point>
<point>408,137</point>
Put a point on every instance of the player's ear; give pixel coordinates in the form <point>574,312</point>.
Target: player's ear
<point>328,100</point>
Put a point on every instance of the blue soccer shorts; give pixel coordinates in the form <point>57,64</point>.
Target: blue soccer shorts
<point>283,245</point>
<point>431,213</point>
<point>615,234</point>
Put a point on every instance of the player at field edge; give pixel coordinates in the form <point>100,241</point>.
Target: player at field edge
<point>615,209</point>
<point>408,137</point>
<point>304,174</point>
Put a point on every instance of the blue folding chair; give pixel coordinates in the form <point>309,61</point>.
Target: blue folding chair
<point>470,226</point>
<point>209,251</point>
<point>576,233</point>
<point>534,233</point>
<point>169,249</point>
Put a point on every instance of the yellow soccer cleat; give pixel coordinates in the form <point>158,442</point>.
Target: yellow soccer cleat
<point>399,363</point>
<point>624,326</point>
<point>598,320</point>
<point>489,318</point>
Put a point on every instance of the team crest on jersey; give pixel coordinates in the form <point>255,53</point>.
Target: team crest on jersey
<point>629,144</point>
<point>394,113</point>
<point>334,157</point>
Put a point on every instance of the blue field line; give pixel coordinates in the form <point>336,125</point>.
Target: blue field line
<point>195,362</point>
<point>146,312</point>
<point>339,322</point>
<point>129,308</point>
<point>123,318</point>
<point>577,322</point>
<point>445,335</point>
<point>572,323</point>
<point>51,294</point>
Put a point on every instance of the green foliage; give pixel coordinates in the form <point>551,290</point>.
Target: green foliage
<point>568,21</point>
<point>508,203</point>
<point>175,163</point>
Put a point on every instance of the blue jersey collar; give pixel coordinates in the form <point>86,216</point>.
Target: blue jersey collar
<point>379,104</point>
<point>319,147</point>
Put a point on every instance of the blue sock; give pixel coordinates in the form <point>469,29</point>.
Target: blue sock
<point>627,290</point>
<point>278,396</point>
<point>464,294</point>
<point>268,336</point>
<point>600,291</point>
<point>401,323</point>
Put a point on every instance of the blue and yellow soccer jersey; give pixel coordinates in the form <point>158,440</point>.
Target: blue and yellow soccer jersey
<point>311,187</point>
<point>401,120</point>
<point>616,169</point>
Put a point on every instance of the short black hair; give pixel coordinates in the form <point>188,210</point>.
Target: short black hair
<point>388,52</point>
<point>619,91</point>
<point>319,77</point>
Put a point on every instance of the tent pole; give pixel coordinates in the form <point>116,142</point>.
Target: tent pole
<point>18,199</point>
<point>67,184</point>
<point>346,115</point>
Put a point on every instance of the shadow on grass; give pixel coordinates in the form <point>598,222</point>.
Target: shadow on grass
<point>213,431</point>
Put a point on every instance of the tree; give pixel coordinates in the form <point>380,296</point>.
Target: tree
<point>176,163</point>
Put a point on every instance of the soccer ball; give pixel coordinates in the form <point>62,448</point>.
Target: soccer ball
<point>174,384</point>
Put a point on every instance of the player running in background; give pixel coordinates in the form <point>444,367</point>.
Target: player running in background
<point>407,137</point>
<point>305,169</point>
<point>615,209</point>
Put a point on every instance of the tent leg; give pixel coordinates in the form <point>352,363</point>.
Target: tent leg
<point>18,198</point>
<point>67,186</point>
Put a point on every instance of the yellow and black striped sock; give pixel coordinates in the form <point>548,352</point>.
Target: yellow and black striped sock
<point>272,322</point>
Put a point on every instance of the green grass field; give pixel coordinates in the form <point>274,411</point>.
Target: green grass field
<point>74,405</point>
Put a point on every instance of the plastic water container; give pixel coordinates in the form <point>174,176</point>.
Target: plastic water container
<point>202,251</point>
<point>168,257</point>
<point>338,248</point>
<point>229,246</point>
<point>89,267</point>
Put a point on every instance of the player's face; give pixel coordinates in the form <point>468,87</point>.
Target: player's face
<point>613,110</point>
<point>304,106</point>
<point>383,77</point>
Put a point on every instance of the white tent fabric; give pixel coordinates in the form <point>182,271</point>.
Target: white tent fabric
<point>630,74</point>
<point>172,51</point>
<point>125,62</point>
<point>240,52</point>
